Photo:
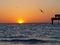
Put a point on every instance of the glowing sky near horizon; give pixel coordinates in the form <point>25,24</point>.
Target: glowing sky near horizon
<point>13,10</point>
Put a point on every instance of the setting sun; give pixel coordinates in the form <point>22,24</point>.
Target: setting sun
<point>20,21</point>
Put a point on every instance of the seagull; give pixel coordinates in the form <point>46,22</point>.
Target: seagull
<point>41,10</point>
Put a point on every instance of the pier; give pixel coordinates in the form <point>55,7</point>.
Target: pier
<point>57,17</point>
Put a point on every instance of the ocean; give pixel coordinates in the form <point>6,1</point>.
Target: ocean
<point>29,34</point>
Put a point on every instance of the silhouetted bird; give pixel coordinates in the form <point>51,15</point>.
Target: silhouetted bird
<point>41,10</point>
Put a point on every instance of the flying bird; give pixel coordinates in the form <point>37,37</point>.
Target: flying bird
<point>41,10</point>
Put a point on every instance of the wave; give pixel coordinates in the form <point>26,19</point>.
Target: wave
<point>31,41</point>
<point>21,36</point>
<point>55,37</point>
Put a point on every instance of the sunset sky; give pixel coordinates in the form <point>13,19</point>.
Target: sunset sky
<point>28,10</point>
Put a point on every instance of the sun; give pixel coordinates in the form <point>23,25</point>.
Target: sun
<point>20,21</point>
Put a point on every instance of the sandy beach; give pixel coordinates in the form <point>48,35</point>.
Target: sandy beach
<point>5,43</point>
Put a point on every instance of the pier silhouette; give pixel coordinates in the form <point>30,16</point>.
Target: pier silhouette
<point>57,17</point>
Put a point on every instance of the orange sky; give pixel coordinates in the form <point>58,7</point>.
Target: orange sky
<point>12,10</point>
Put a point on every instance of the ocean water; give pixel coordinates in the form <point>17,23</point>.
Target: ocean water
<point>29,33</point>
